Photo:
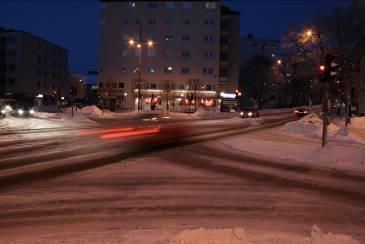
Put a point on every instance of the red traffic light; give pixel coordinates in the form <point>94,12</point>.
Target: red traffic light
<point>322,68</point>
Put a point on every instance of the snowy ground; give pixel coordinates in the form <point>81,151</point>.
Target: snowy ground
<point>299,142</point>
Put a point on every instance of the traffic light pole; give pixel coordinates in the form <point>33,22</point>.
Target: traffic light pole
<point>325,114</point>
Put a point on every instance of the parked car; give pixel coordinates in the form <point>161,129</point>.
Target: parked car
<point>250,113</point>
<point>23,111</point>
<point>301,111</point>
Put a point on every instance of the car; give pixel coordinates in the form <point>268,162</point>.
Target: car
<point>23,111</point>
<point>2,112</point>
<point>301,111</point>
<point>250,113</point>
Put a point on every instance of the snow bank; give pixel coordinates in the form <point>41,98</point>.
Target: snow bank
<point>28,123</point>
<point>311,126</point>
<point>212,114</point>
<point>239,236</point>
<point>358,122</point>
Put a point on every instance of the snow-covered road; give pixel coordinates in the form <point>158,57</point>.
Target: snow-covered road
<point>152,198</point>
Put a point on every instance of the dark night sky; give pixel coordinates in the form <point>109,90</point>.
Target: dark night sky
<point>74,24</point>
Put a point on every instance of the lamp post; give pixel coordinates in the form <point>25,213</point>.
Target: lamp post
<point>309,35</point>
<point>139,44</point>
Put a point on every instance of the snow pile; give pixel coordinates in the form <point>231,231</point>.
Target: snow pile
<point>311,126</point>
<point>239,236</point>
<point>358,122</point>
<point>11,122</point>
<point>212,114</point>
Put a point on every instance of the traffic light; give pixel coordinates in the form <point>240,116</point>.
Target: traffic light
<point>329,70</point>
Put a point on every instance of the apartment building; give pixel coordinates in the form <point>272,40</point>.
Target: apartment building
<point>31,67</point>
<point>229,59</point>
<point>160,54</point>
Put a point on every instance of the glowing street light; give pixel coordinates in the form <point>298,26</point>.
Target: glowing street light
<point>131,42</point>
<point>309,33</point>
<point>150,43</point>
<point>139,45</point>
<point>279,61</point>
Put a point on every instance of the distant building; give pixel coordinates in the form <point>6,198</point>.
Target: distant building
<point>182,66</point>
<point>273,92</point>
<point>229,58</point>
<point>31,67</point>
<point>251,47</point>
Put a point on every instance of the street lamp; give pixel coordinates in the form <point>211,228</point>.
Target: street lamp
<point>139,45</point>
<point>279,61</point>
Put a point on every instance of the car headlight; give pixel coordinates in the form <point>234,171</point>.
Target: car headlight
<point>3,111</point>
<point>8,107</point>
<point>20,111</point>
<point>249,114</point>
<point>31,111</point>
<point>241,113</point>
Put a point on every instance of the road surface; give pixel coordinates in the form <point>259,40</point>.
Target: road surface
<point>156,184</point>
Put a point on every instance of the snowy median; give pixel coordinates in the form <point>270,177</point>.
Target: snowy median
<point>299,142</point>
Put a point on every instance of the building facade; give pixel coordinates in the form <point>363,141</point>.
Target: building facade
<point>31,67</point>
<point>229,59</point>
<point>270,93</point>
<point>177,65</point>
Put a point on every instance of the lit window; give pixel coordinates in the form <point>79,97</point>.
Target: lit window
<point>169,69</point>
<point>135,70</point>
<point>124,70</point>
<point>150,70</point>
<point>210,5</point>
<point>132,5</point>
<point>170,5</point>
<point>169,37</point>
<point>185,37</point>
<point>186,5</point>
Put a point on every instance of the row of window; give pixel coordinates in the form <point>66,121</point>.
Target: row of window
<point>10,53</point>
<point>169,22</point>
<point>11,82</point>
<point>45,62</point>
<point>168,53</point>
<point>45,74</point>
<point>167,5</point>
<point>10,67</point>
<point>166,37</point>
<point>169,69</point>
<point>181,86</point>
<point>45,85</point>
